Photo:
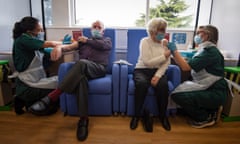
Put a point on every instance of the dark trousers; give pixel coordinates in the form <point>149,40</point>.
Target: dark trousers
<point>76,81</point>
<point>29,95</point>
<point>199,104</point>
<point>142,79</point>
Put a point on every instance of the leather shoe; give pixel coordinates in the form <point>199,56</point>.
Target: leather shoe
<point>42,107</point>
<point>82,129</point>
<point>147,121</point>
<point>165,123</point>
<point>134,123</point>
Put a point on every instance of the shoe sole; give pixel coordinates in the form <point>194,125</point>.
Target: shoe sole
<point>204,125</point>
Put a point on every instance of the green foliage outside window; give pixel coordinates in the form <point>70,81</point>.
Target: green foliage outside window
<point>170,10</point>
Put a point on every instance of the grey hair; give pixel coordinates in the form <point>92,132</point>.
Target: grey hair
<point>101,23</point>
<point>155,24</point>
<point>212,32</point>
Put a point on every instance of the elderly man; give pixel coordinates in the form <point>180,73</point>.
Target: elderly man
<point>93,54</point>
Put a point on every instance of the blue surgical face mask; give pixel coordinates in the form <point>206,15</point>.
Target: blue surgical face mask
<point>160,36</point>
<point>96,33</point>
<point>197,39</point>
<point>40,36</point>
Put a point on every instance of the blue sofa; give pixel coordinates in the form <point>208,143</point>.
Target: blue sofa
<point>127,83</point>
<point>103,92</point>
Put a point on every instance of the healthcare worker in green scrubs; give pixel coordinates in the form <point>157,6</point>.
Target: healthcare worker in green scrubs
<point>203,97</point>
<point>28,48</point>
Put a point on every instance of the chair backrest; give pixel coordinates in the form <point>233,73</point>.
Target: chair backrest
<point>134,38</point>
<point>108,32</point>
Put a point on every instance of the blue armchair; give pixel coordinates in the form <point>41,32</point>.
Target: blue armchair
<point>103,92</point>
<point>127,83</point>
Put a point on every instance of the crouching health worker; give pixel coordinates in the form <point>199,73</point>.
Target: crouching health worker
<point>28,50</point>
<point>203,97</point>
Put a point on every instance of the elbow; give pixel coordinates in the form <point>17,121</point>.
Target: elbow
<point>186,68</point>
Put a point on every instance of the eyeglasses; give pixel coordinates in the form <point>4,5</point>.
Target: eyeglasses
<point>97,27</point>
<point>161,30</point>
<point>198,32</point>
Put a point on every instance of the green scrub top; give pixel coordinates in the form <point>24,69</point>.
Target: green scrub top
<point>24,51</point>
<point>24,48</point>
<point>212,61</point>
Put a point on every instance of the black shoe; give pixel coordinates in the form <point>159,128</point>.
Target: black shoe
<point>134,123</point>
<point>147,121</point>
<point>41,107</point>
<point>165,123</point>
<point>18,106</point>
<point>82,129</point>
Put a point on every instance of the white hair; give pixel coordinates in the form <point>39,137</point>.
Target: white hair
<point>100,22</point>
<point>155,24</point>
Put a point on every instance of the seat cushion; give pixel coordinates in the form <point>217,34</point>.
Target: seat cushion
<point>101,85</point>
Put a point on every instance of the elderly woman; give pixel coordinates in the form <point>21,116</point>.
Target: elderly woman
<point>150,70</point>
<point>202,98</point>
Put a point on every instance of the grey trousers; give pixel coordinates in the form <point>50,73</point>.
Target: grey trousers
<point>76,82</point>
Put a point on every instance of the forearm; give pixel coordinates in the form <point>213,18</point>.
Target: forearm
<point>101,44</point>
<point>51,44</point>
<point>70,47</point>
<point>162,69</point>
<point>181,61</point>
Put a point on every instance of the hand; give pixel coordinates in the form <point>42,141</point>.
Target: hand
<point>56,53</point>
<point>67,39</point>
<point>154,80</point>
<point>165,42</point>
<point>172,46</point>
<point>167,53</point>
<point>82,39</point>
<point>48,50</point>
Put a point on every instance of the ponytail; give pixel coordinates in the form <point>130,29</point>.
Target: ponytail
<point>17,31</point>
<point>26,24</point>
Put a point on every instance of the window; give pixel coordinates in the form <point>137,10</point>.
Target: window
<point>127,13</point>
<point>120,13</point>
<point>132,13</point>
<point>48,12</point>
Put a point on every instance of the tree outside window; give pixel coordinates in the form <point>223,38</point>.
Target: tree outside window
<point>170,10</point>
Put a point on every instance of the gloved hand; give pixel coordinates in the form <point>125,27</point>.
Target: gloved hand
<point>48,50</point>
<point>67,39</point>
<point>172,47</point>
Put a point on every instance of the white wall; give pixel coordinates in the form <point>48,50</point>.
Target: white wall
<point>10,12</point>
<point>225,15</point>
<point>61,12</point>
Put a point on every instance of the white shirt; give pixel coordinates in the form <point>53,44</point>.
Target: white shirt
<point>152,56</point>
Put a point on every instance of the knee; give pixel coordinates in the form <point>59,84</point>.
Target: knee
<point>81,62</point>
<point>176,98</point>
<point>141,84</point>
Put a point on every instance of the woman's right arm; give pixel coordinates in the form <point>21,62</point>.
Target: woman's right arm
<point>47,44</point>
<point>181,61</point>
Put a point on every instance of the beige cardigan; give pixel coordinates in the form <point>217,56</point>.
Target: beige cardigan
<point>151,55</point>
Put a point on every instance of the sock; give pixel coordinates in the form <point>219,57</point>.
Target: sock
<point>54,95</point>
